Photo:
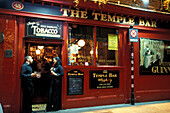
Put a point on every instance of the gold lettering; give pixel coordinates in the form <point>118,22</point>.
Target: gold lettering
<point>155,69</point>
<point>74,12</point>
<point>124,20</point>
<point>119,18</point>
<point>95,15</point>
<point>102,80</point>
<point>103,17</point>
<point>112,75</point>
<point>65,11</point>
<point>141,22</point>
<point>94,75</point>
<point>84,14</point>
<point>153,24</point>
<point>147,23</point>
<point>131,21</point>
<point>111,19</point>
<point>166,71</point>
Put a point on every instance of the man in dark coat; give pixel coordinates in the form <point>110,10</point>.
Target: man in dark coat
<point>27,85</point>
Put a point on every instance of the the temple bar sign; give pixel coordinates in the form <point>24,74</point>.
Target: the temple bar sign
<point>107,17</point>
<point>104,79</point>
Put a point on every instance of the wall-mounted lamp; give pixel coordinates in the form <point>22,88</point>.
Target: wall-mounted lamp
<point>40,47</point>
<point>91,52</point>
<point>81,43</point>
<point>37,52</point>
<point>145,2</point>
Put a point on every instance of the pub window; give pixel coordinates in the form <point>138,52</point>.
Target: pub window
<point>80,45</point>
<point>107,46</point>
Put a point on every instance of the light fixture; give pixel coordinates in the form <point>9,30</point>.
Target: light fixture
<point>100,2</point>
<point>145,2</point>
<point>81,43</point>
<point>91,52</point>
<point>37,52</point>
<point>40,47</point>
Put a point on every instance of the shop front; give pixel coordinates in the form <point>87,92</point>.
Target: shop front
<point>95,50</point>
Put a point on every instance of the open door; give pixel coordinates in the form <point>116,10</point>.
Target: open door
<point>42,54</point>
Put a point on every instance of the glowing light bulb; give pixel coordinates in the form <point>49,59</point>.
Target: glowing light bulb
<point>81,43</point>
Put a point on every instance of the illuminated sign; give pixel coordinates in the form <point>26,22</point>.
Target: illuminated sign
<point>83,14</point>
<point>43,28</point>
<point>107,17</point>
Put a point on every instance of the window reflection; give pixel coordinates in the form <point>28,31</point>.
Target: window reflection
<point>80,45</point>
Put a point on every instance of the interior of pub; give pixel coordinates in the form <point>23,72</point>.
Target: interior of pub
<point>42,55</point>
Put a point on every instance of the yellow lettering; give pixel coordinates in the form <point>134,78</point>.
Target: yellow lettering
<point>155,69</point>
<point>65,11</point>
<point>84,14</point>
<point>95,15</point>
<point>124,20</point>
<point>166,71</point>
<point>147,23</point>
<point>94,75</point>
<point>131,21</point>
<point>141,22</point>
<point>74,12</point>
<point>119,18</point>
<point>103,17</point>
<point>112,19</point>
<point>114,75</point>
<point>153,24</point>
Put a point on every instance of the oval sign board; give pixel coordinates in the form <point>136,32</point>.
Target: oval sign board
<point>17,5</point>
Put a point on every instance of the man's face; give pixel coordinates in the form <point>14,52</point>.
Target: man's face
<point>54,60</point>
<point>30,60</point>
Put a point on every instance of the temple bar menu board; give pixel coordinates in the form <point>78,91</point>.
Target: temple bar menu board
<point>102,79</point>
<point>75,82</point>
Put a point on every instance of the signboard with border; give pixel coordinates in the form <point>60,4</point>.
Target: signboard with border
<point>44,28</point>
<point>75,82</point>
<point>104,79</point>
<point>133,35</point>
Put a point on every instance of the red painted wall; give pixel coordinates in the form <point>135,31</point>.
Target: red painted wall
<point>9,80</point>
<point>147,88</point>
<point>151,87</point>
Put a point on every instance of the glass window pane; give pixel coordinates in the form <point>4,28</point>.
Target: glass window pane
<point>107,46</point>
<point>80,45</point>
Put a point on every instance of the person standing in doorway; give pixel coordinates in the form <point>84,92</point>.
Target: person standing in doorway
<point>27,85</point>
<point>54,97</point>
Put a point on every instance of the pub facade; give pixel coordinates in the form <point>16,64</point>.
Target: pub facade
<point>110,55</point>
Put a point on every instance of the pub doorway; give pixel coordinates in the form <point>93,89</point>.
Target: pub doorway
<point>42,54</point>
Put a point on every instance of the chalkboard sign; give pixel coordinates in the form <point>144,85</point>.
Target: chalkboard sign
<point>75,80</point>
<point>103,79</point>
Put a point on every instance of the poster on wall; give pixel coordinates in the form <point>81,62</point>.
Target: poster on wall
<point>112,42</point>
<point>104,79</point>
<point>154,57</point>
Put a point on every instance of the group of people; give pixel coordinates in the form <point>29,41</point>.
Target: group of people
<point>54,95</point>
